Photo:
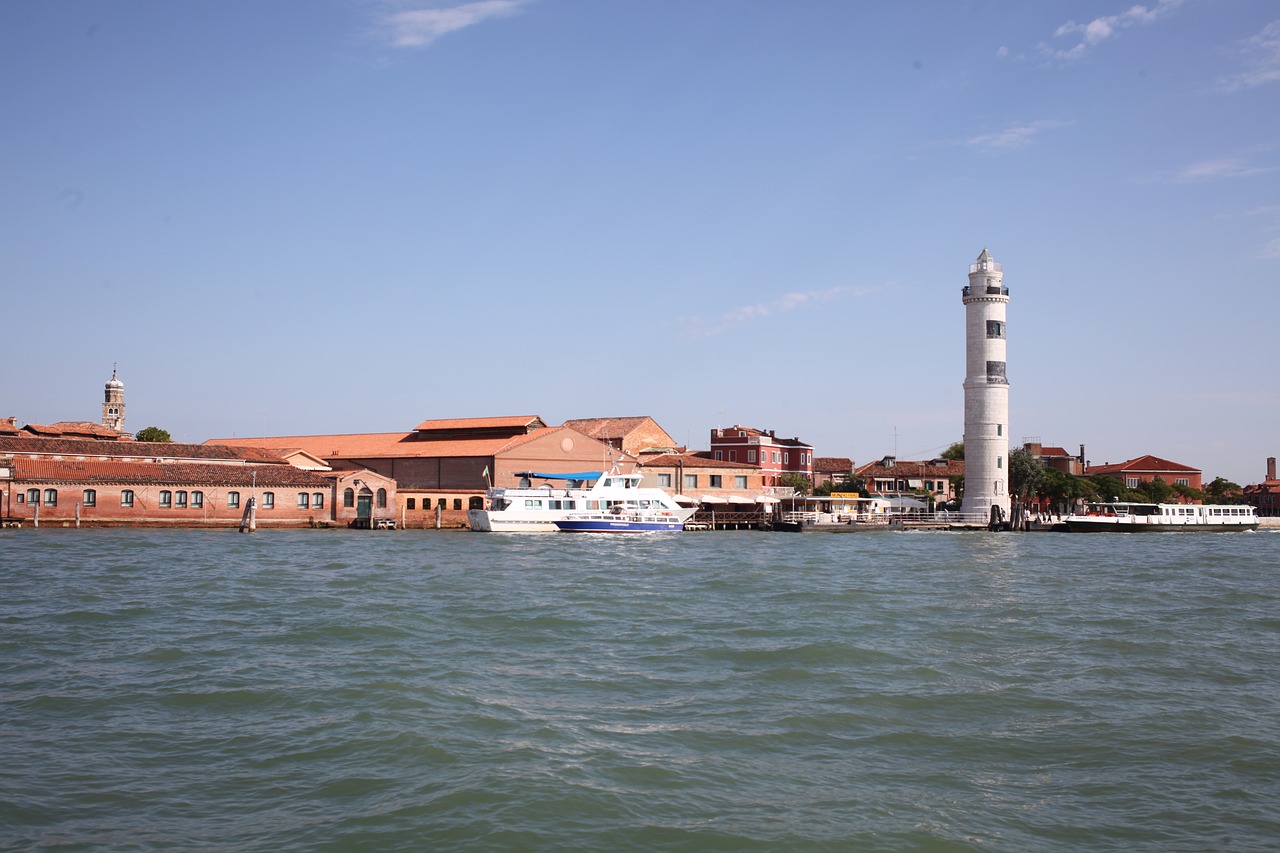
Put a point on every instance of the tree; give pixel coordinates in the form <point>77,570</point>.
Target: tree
<point>955,452</point>
<point>153,433</point>
<point>849,483</point>
<point>1156,490</point>
<point>799,482</point>
<point>1025,473</point>
<point>1223,491</point>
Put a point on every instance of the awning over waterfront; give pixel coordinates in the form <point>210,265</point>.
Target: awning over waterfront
<point>711,499</point>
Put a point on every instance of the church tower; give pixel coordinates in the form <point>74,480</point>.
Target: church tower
<point>986,391</point>
<point>113,406</point>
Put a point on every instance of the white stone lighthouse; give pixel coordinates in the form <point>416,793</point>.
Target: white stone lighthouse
<point>986,391</point>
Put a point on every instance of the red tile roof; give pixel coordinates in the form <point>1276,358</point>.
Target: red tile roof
<point>45,470</point>
<point>832,465</point>
<point>76,429</point>
<point>509,422</point>
<point>699,459</point>
<point>146,450</point>
<point>386,445</point>
<point>1143,465</point>
<point>902,470</point>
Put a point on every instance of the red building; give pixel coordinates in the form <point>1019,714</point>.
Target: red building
<point>1265,496</point>
<point>770,455</point>
<point>1145,469</point>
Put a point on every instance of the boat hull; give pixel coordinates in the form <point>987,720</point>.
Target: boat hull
<point>587,525</point>
<point>1094,525</point>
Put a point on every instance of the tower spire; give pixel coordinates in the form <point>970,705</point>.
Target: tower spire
<point>113,403</point>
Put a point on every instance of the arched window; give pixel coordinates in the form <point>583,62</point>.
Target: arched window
<point>33,496</point>
<point>317,500</point>
<point>382,498</point>
<point>126,497</point>
<point>197,499</point>
<point>304,500</point>
<point>180,500</point>
<point>349,497</point>
<point>233,500</point>
<point>268,500</point>
<point>51,497</point>
<point>90,497</point>
<point>166,499</point>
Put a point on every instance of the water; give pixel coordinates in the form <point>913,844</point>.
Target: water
<point>322,690</point>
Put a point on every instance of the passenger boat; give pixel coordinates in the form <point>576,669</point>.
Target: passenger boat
<point>620,520</point>
<point>1139,518</point>
<point>530,509</point>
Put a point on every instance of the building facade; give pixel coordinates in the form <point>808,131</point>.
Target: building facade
<point>986,391</point>
<point>773,457</point>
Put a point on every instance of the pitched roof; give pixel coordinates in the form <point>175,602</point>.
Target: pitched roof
<point>509,422</point>
<point>696,459</point>
<point>146,450</point>
<point>832,465</point>
<point>163,473</point>
<point>388,445</point>
<point>905,470</point>
<point>1143,465</point>
<point>603,428</point>
<point>77,429</point>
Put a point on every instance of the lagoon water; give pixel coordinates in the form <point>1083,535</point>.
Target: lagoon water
<point>323,690</point>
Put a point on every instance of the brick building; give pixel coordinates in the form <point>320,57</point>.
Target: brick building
<point>1145,469</point>
<point>891,476</point>
<point>1265,496</point>
<point>773,457</point>
<point>634,435</point>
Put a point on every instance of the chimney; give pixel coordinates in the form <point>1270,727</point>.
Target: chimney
<point>1081,456</point>
<point>1271,467</point>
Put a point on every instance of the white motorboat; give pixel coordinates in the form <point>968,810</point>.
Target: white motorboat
<point>536,509</point>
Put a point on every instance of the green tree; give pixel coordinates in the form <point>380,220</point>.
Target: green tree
<point>954,452</point>
<point>153,433</point>
<point>1156,490</point>
<point>802,484</point>
<point>1223,491</point>
<point>1025,473</point>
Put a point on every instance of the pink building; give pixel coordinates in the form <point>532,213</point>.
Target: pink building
<point>762,450</point>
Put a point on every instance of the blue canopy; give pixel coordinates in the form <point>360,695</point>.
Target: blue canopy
<point>581,475</point>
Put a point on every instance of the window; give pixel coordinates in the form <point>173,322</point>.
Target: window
<point>715,481</point>
<point>718,455</point>
<point>180,500</point>
<point>995,329</point>
<point>1131,482</point>
<point>382,498</point>
<point>33,496</point>
<point>733,456</point>
<point>740,481</point>
<point>126,497</point>
<point>751,456</point>
<point>317,500</point>
<point>233,500</point>
<point>664,481</point>
<point>777,457</point>
<point>51,497</point>
<point>476,502</point>
<point>995,372</point>
<point>268,500</point>
<point>691,481</point>
<point>999,461</point>
<point>304,500</point>
<point>90,497</point>
<point>1182,481</point>
<point>166,499</point>
<point>786,458</point>
<point>410,503</point>
<point>457,503</point>
<point>999,429</point>
<point>197,500</point>
<point>349,497</point>
<point>441,503</point>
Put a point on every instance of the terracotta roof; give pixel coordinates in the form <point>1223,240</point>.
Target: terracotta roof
<point>512,422</point>
<point>171,473</point>
<point>698,459</point>
<point>76,429</point>
<point>1142,465</point>
<point>832,465</point>
<point>729,432</point>
<point>903,470</point>
<point>386,445</point>
<point>1055,452</point>
<point>602,428</point>
<point>147,450</point>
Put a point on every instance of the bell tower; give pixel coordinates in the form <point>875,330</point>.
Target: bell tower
<point>986,391</point>
<point>113,405</point>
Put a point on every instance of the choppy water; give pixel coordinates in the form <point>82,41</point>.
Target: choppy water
<point>321,690</point>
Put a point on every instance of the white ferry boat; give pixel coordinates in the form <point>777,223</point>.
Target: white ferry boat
<point>1138,518</point>
<point>619,520</point>
<point>537,509</point>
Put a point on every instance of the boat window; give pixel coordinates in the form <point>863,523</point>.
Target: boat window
<point>530,503</point>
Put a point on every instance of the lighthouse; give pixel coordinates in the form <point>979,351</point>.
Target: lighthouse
<point>986,392</point>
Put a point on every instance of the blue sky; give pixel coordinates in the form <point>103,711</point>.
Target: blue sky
<point>354,215</point>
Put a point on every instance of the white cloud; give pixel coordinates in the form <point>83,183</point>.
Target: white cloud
<point>1261,55</point>
<point>1015,136</point>
<point>735,317</point>
<point>1094,32</point>
<point>420,27</point>
<point>1212,170</point>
